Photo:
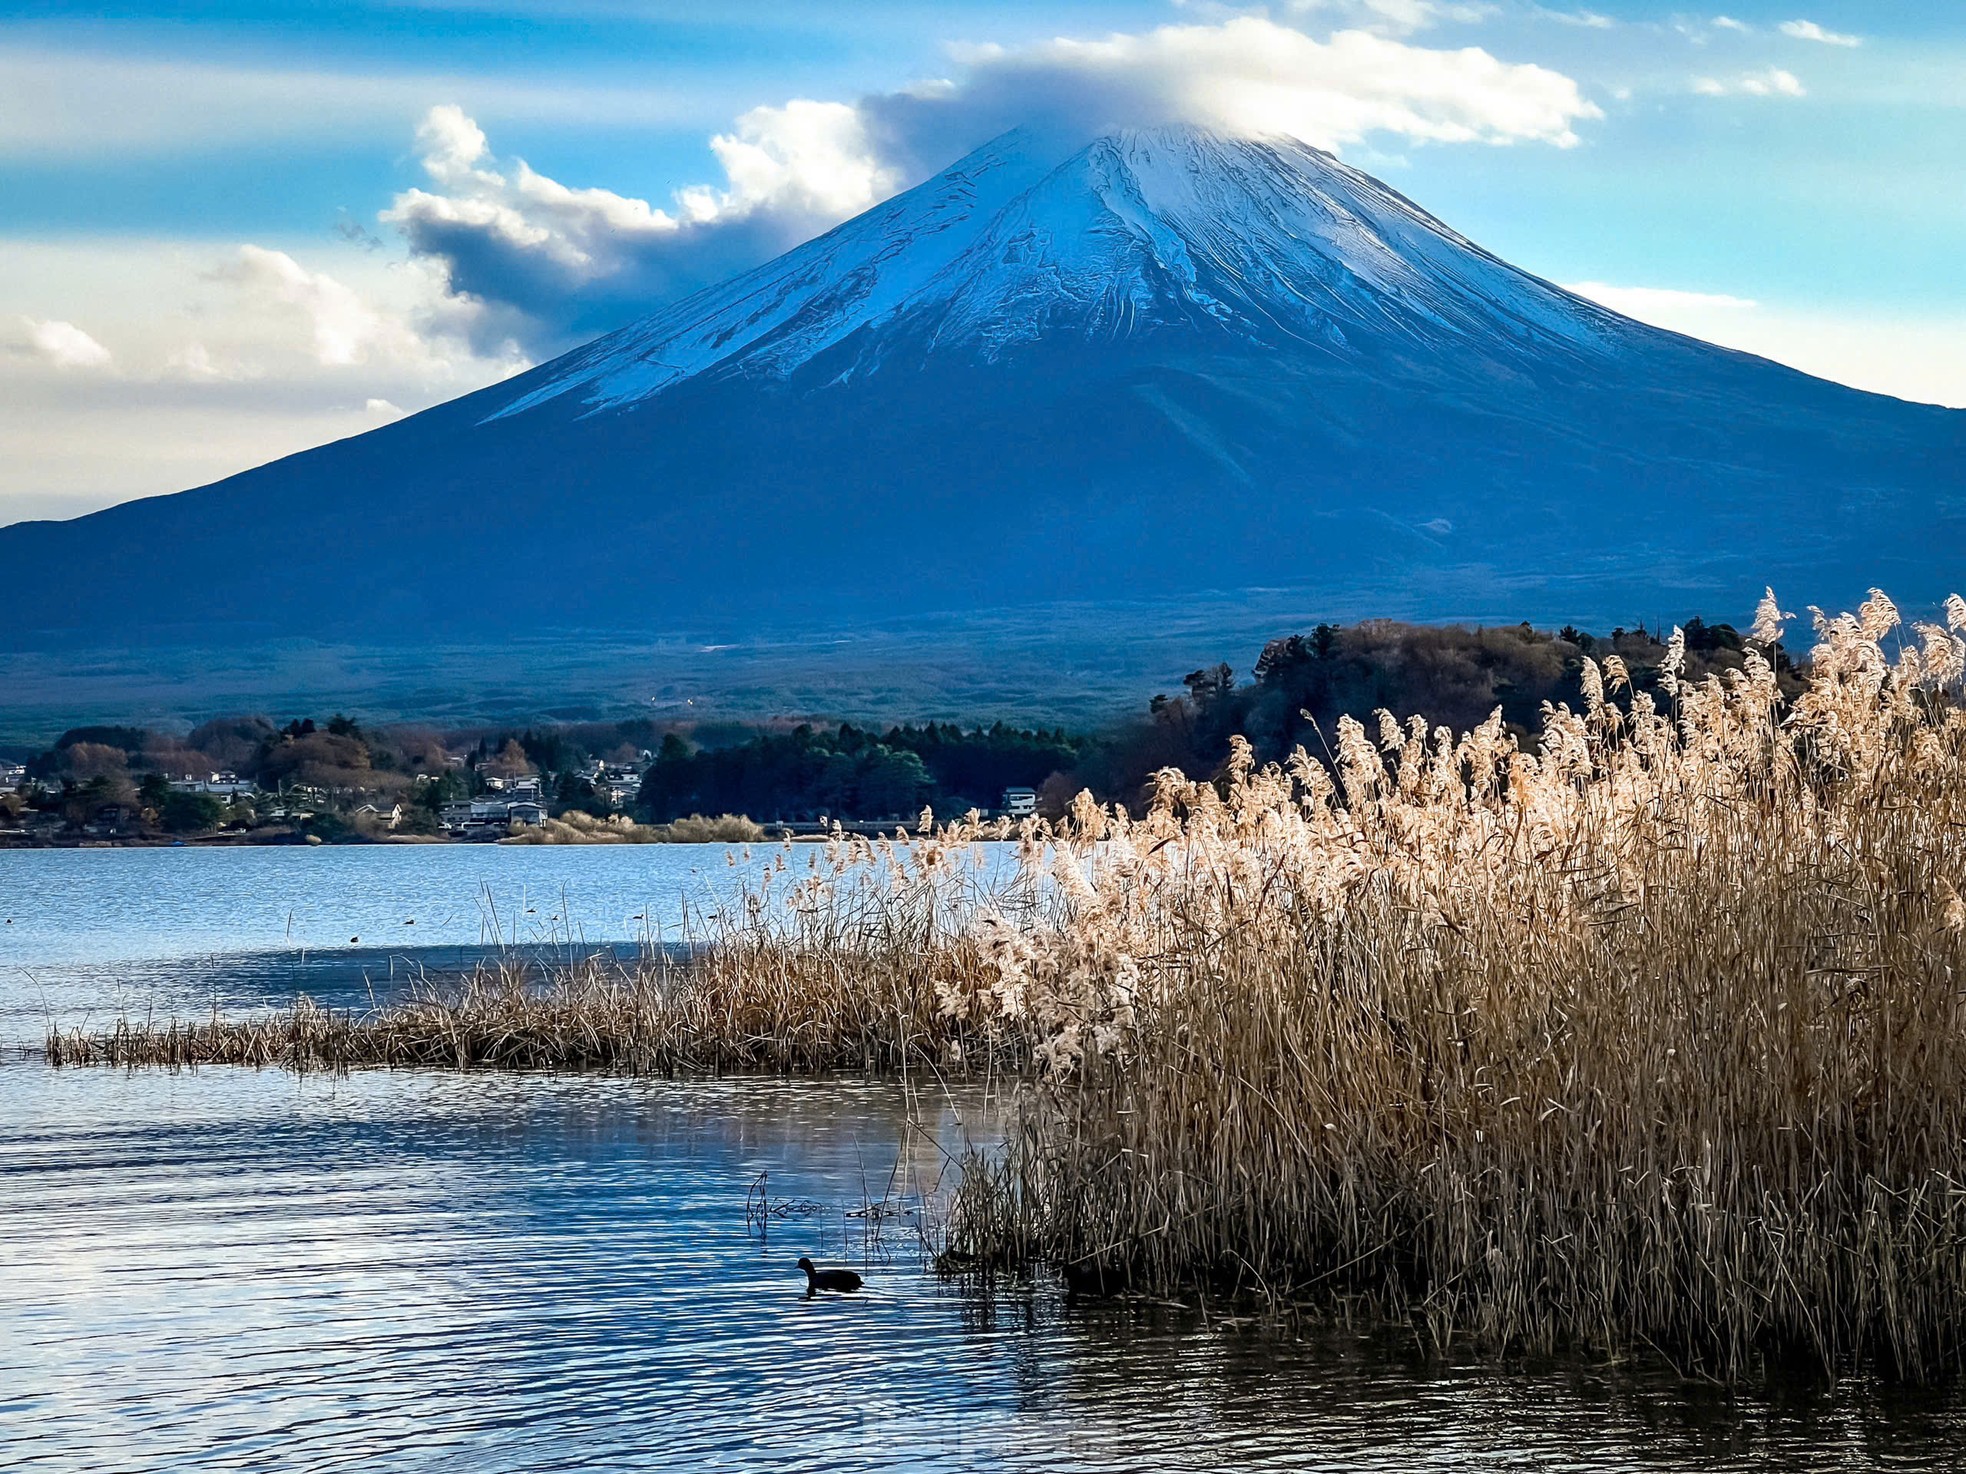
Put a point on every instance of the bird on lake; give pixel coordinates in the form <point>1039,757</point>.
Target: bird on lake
<point>838,1281</point>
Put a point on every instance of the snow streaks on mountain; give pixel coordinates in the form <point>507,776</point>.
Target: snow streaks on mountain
<point>1268,242</point>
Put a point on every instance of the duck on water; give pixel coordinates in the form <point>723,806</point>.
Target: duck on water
<point>836,1281</point>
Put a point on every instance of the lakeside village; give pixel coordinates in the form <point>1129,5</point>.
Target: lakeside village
<point>338,782</point>
<point>245,780</point>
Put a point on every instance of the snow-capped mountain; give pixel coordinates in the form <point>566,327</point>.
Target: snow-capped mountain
<point>1262,243</point>
<point>1107,374</point>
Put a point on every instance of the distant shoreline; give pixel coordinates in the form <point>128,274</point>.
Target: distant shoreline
<point>803,833</point>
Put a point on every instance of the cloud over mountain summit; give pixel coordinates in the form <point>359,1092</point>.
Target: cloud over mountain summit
<point>549,263</point>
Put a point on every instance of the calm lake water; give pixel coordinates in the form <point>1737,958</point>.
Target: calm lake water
<point>411,1271</point>
<point>90,934</point>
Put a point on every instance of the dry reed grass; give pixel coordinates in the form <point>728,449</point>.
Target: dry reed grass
<point>1654,1036</point>
<point>730,1010</point>
<point>1657,1036</point>
<point>575,827</point>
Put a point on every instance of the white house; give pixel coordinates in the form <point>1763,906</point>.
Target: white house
<point>1020,803</point>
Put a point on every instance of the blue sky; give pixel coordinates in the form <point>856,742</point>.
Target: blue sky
<point>228,230</point>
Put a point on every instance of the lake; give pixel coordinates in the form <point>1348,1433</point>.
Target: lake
<point>86,934</point>
<point>422,1270</point>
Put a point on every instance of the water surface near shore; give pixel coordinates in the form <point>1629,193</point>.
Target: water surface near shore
<point>407,1271</point>
<point>87,936</point>
<point>235,1269</point>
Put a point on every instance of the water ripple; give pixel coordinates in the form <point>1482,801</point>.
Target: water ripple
<point>244,1270</point>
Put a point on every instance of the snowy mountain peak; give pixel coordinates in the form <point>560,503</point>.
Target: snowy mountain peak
<point>1264,243</point>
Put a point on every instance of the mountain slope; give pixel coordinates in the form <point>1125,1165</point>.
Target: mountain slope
<point>1163,363</point>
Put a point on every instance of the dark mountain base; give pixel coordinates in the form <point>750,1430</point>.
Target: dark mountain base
<point>1072,664</point>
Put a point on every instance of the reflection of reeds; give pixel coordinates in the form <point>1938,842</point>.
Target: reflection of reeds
<point>1656,1035</point>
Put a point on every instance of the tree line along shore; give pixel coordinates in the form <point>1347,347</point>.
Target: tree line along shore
<point>249,779</point>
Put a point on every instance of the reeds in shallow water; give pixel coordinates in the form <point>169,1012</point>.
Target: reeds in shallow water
<point>1653,1036</point>
<point>1656,1036</point>
<point>727,1011</point>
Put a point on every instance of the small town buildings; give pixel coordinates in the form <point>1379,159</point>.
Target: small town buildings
<point>110,819</point>
<point>35,826</point>
<point>380,811</point>
<point>619,783</point>
<point>1020,803</point>
<point>221,785</point>
<point>491,811</point>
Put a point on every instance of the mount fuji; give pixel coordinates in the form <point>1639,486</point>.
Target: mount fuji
<point>1163,366</point>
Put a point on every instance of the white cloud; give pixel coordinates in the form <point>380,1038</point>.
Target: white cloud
<point>1773,82</point>
<point>527,257</point>
<point>65,103</point>
<point>1808,30</point>
<point>1253,75</point>
<point>1652,304</point>
<point>1922,360</point>
<point>1396,17</point>
<point>195,363</point>
<point>1589,20</point>
<point>1701,31</point>
<point>810,157</point>
<point>225,358</point>
<point>344,328</point>
<point>383,408</point>
<point>65,345</point>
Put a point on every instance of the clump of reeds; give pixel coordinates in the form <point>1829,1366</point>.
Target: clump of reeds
<point>1654,1036</point>
<point>724,1010</point>
<point>575,827</point>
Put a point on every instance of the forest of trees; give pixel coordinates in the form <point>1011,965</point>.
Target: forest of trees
<point>851,773</point>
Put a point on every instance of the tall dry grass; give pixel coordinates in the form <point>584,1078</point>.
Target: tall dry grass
<point>575,827</point>
<point>1656,1036</point>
